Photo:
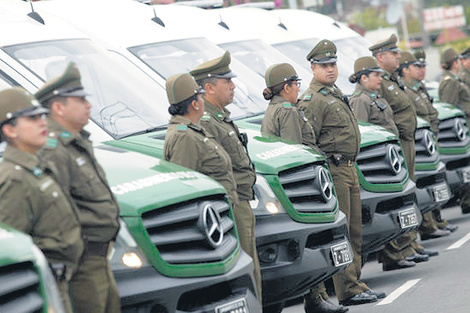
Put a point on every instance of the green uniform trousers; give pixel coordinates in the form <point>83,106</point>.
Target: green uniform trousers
<point>93,288</point>
<point>63,287</point>
<point>245,220</point>
<point>399,248</point>
<point>410,154</point>
<point>347,283</point>
<point>429,223</point>
<point>316,295</point>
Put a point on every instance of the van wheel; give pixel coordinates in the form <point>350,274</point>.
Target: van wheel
<point>273,308</point>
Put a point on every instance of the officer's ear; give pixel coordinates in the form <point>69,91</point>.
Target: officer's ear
<point>9,131</point>
<point>57,107</point>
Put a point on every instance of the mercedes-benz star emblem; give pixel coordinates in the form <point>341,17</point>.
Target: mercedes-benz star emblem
<point>460,129</point>
<point>429,142</point>
<point>325,184</point>
<point>394,159</point>
<point>212,228</point>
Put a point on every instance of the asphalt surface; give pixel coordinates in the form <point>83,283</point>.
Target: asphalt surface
<point>441,284</point>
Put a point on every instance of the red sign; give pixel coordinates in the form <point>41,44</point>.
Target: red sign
<point>444,17</point>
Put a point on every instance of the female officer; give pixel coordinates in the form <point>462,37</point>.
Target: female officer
<point>30,200</point>
<point>187,143</point>
<point>282,118</point>
<point>366,103</point>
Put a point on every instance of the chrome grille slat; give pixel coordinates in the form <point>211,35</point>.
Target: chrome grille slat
<point>372,162</point>
<point>301,187</point>
<point>178,233</point>
<point>20,289</point>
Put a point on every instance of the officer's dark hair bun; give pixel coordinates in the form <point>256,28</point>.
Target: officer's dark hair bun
<point>353,78</point>
<point>174,109</point>
<point>268,93</point>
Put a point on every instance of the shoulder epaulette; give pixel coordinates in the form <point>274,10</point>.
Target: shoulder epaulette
<point>324,92</point>
<point>206,117</point>
<point>307,97</point>
<point>51,142</point>
<point>287,105</point>
<point>182,127</point>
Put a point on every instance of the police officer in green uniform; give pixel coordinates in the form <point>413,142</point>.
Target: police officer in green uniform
<point>368,105</point>
<point>30,199</point>
<point>464,73</point>
<point>366,102</point>
<point>337,135</point>
<point>283,119</point>
<point>187,143</point>
<point>215,77</point>
<point>92,287</point>
<point>388,55</point>
<point>451,88</point>
<point>409,72</point>
<point>454,91</point>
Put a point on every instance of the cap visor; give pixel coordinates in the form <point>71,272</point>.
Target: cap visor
<point>75,93</point>
<point>376,69</point>
<point>36,111</point>
<point>229,74</point>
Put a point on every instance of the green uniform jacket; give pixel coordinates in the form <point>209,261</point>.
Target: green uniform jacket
<point>191,146</point>
<point>282,119</point>
<point>464,75</point>
<point>454,91</point>
<point>33,202</point>
<point>84,181</point>
<point>332,120</point>
<point>422,104</point>
<point>404,113</point>
<point>368,106</point>
<point>218,123</point>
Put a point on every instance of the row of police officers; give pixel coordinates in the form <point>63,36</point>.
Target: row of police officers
<point>52,187</point>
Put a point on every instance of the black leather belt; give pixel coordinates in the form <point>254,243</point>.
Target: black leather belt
<point>97,248</point>
<point>339,159</point>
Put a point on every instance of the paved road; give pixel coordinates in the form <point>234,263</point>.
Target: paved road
<point>440,285</point>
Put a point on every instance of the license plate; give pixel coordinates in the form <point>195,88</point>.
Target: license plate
<point>441,193</point>
<point>466,174</point>
<point>408,218</point>
<point>237,306</point>
<point>341,254</point>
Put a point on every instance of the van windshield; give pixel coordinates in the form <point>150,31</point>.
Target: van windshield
<point>181,56</point>
<point>120,105</point>
<point>298,50</point>
<point>258,56</point>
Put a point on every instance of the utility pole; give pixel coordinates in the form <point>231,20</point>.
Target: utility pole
<point>424,33</point>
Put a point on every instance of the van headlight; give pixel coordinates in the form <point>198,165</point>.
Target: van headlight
<point>126,254</point>
<point>265,202</point>
<point>54,301</point>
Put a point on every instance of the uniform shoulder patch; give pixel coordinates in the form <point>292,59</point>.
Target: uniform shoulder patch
<point>65,134</point>
<point>51,142</point>
<point>447,77</point>
<point>287,105</point>
<point>307,97</point>
<point>182,127</point>
<point>206,117</point>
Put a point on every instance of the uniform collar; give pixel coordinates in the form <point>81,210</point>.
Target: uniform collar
<point>220,114</point>
<point>277,99</point>
<point>181,120</point>
<point>370,93</point>
<point>58,131</point>
<point>447,72</point>
<point>25,160</point>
